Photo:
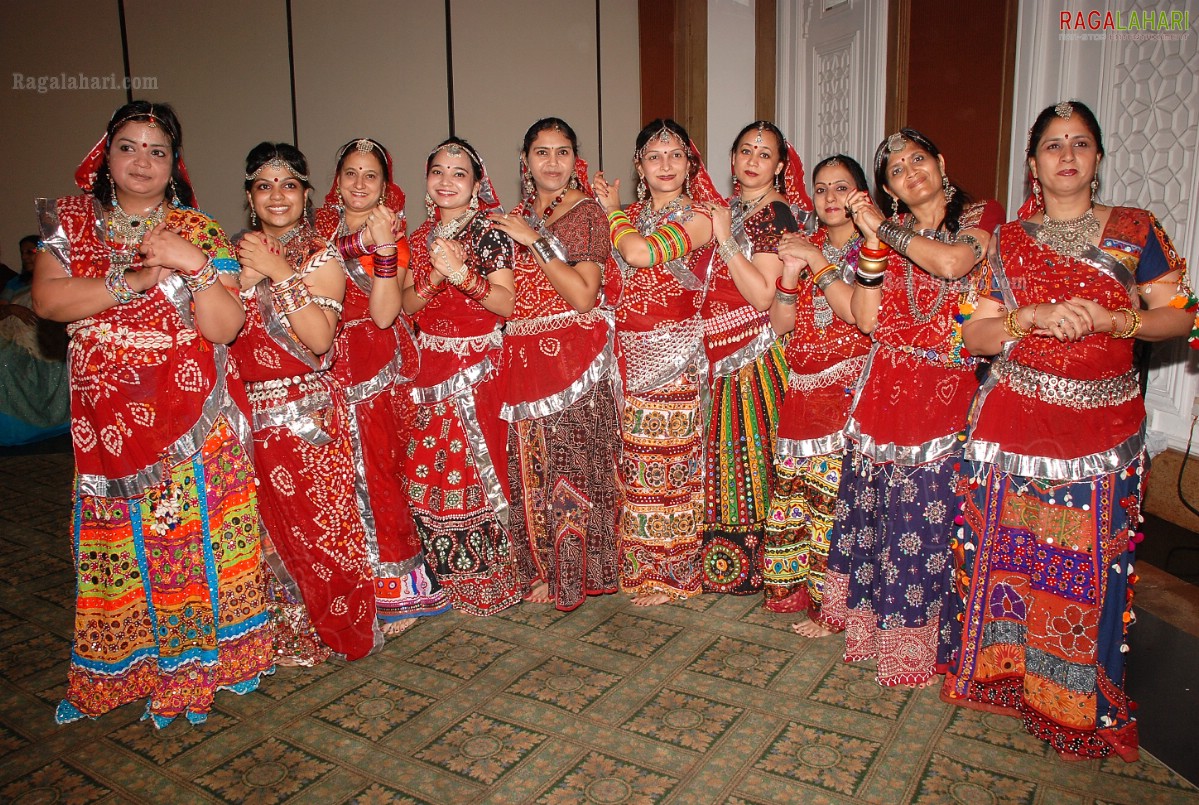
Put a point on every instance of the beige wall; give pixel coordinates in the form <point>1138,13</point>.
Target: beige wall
<point>43,136</point>
<point>362,67</point>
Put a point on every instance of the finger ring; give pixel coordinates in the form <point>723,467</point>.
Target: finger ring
<point>1061,322</point>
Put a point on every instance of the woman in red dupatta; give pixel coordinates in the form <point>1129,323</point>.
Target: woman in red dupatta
<point>170,605</point>
<point>826,353</point>
<point>459,290</point>
<point>376,359</point>
<point>665,250</point>
<point>292,285</point>
<point>558,364</point>
<point>745,355</point>
<point>888,570</point>
<point>1056,454</point>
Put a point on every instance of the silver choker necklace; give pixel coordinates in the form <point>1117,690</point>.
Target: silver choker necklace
<point>1069,237</point>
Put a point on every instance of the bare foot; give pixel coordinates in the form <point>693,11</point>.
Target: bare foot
<point>393,628</point>
<point>540,594</point>
<point>810,628</point>
<point>651,600</point>
<point>288,662</point>
<point>928,683</point>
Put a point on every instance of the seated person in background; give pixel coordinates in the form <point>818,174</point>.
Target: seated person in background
<point>14,287</point>
<point>34,398</point>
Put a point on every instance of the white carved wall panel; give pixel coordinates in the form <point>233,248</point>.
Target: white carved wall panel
<point>1150,118</point>
<point>835,85</point>
<point>831,75</point>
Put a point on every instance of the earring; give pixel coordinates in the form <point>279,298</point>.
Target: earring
<point>948,190</point>
<point>641,191</point>
<point>687,185</point>
<point>429,208</point>
<point>778,181</point>
<point>1036,190</point>
<point>382,199</point>
<point>527,187</point>
<point>573,184</point>
<point>112,191</point>
<point>1094,191</point>
<point>174,195</point>
<point>474,201</point>
<point>253,219</point>
<point>894,206</point>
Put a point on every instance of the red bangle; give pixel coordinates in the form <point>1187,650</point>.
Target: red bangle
<point>877,254</point>
<point>778,283</point>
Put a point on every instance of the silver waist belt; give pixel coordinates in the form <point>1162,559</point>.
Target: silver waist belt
<point>1067,391</point>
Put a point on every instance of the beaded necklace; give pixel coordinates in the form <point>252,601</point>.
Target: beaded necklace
<point>549,211</point>
<point>744,208</point>
<point>129,230</point>
<point>921,316</point>
<point>837,256</point>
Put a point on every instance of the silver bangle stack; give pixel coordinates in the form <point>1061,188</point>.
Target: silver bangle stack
<point>896,236</point>
<point>729,248</point>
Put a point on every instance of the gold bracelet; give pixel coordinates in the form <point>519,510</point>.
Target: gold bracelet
<point>1011,324</point>
<point>1133,325</point>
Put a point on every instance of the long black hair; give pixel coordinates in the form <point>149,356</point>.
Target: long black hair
<point>953,209</point>
<point>163,116</point>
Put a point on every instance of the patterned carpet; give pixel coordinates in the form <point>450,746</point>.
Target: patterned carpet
<point>713,701</point>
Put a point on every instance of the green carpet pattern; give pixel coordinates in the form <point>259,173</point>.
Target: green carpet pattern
<point>711,701</point>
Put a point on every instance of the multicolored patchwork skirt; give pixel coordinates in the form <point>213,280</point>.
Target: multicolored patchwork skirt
<point>661,489</point>
<point>457,499</point>
<point>739,473</point>
<point>564,501</point>
<point>797,532</point>
<point>889,565</point>
<point>170,596</point>
<point>1044,575</point>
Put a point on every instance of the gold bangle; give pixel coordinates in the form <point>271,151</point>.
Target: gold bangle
<point>1011,324</point>
<point>1132,327</point>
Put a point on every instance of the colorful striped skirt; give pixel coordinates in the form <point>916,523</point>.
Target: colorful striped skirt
<point>170,596</point>
<point>739,473</point>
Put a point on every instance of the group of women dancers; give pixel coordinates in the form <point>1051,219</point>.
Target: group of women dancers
<point>896,414</point>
